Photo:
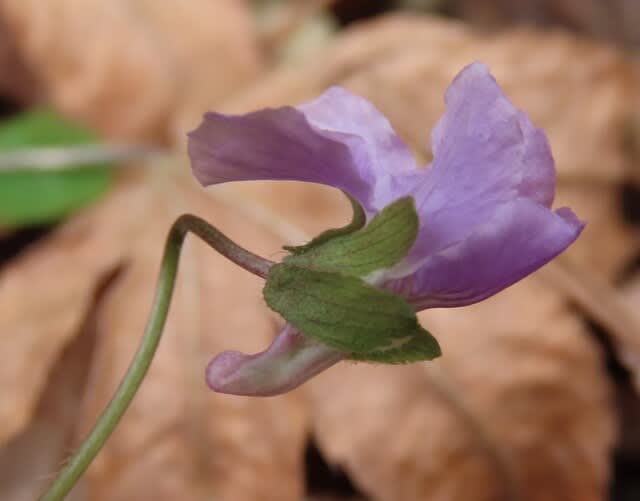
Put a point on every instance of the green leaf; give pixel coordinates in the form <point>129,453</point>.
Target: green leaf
<point>358,220</point>
<point>348,314</point>
<point>382,243</point>
<point>30,197</point>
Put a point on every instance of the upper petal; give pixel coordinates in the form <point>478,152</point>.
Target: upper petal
<point>339,139</point>
<point>486,152</point>
<point>520,237</point>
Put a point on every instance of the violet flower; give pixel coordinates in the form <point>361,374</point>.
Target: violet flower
<point>483,203</point>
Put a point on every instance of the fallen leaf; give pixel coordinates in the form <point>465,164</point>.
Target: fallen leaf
<point>614,20</point>
<point>31,458</point>
<point>608,243</point>
<point>629,346</point>
<point>40,313</point>
<point>605,305</point>
<point>17,82</point>
<point>292,28</point>
<point>517,408</point>
<point>130,67</point>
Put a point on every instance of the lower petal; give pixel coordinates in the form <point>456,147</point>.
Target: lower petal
<point>292,359</point>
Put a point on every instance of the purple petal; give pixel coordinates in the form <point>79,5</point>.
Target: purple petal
<point>484,204</point>
<point>339,139</point>
<point>291,360</point>
<point>520,237</point>
<point>486,152</point>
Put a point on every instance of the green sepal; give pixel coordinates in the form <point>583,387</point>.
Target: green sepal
<point>358,220</point>
<point>382,243</point>
<point>422,346</point>
<point>347,314</point>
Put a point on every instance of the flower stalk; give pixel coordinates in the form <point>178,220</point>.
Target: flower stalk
<point>118,405</point>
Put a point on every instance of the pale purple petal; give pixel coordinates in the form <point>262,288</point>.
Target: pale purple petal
<point>339,139</point>
<point>484,205</point>
<point>486,152</point>
<point>519,238</point>
<point>291,360</point>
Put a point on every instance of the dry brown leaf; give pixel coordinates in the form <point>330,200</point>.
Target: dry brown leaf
<point>179,440</point>
<point>334,498</point>
<point>608,242</point>
<point>129,67</point>
<point>615,20</point>
<point>605,305</point>
<point>45,295</point>
<point>630,347</point>
<point>29,460</point>
<point>17,81</point>
<point>518,408</point>
<point>282,20</point>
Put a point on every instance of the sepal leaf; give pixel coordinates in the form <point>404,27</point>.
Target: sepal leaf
<point>346,313</point>
<point>382,243</point>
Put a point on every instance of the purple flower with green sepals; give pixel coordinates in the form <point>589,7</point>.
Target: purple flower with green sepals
<point>483,204</point>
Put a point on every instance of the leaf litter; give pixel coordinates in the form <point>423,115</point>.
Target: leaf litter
<point>129,67</point>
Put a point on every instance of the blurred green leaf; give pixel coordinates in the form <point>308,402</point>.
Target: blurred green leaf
<point>30,197</point>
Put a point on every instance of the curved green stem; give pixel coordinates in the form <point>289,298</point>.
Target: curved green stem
<point>90,447</point>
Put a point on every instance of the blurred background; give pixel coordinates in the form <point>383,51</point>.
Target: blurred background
<point>537,395</point>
